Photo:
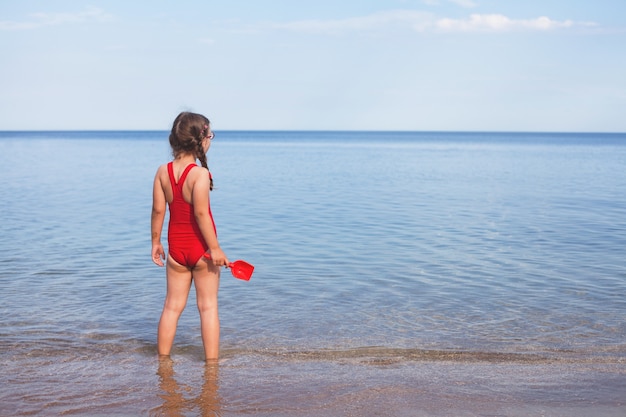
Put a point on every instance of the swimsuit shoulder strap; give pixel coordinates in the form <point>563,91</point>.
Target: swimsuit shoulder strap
<point>183,177</point>
<point>173,184</point>
<point>170,172</point>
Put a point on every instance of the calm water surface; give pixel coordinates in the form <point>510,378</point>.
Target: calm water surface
<point>474,272</point>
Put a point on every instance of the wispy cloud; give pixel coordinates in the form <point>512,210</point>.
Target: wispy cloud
<point>38,20</point>
<point>414,19</point>
<point>501,23</point>
<point>464,3</point>
<point>423,21</point>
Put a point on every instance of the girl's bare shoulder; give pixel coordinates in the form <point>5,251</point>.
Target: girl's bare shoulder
<point>199,174</point>
<point>162,175</point>
<point>162,169</point>
<point>198,170</point>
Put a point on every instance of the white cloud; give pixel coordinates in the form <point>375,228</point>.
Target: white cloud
<point>500,23</point>
<point>53,19</point>
<point>424,21</point>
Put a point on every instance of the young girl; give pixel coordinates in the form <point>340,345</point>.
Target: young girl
<point>194,252</point>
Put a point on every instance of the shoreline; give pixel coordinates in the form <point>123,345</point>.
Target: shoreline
<point>300,385</point>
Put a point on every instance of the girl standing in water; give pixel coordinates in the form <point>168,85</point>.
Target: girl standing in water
<point>194,252</point>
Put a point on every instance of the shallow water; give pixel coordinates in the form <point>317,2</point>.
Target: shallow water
<point>482,273</point>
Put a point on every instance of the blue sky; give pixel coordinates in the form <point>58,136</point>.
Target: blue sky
<point>453,65</point>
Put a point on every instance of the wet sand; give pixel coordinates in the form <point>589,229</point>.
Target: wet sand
<point>286,384</point>
<point>374,387</point>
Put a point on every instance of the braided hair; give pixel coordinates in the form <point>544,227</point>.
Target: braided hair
<point>188,132</point>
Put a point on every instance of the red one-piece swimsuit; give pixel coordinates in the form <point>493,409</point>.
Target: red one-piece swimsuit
<point>185,241</point>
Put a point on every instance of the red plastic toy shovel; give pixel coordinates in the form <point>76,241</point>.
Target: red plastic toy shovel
<point>241,270</point>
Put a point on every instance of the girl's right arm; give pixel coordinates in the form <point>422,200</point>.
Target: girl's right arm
<point>200,198</point>
<point>159,206</point>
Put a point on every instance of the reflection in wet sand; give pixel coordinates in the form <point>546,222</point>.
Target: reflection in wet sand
<point>206,403</point>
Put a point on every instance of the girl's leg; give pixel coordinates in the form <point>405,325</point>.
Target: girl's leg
<point>178,285</point>
<point>206,277</point>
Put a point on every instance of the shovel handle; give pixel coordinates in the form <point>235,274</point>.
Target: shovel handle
<point>208,256</point>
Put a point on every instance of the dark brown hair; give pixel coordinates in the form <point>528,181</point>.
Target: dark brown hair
<point>188,131</point>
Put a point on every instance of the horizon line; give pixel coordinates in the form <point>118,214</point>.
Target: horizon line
<point>320,131</point>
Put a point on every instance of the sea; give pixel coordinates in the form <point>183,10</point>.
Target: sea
<point>396,274</point>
